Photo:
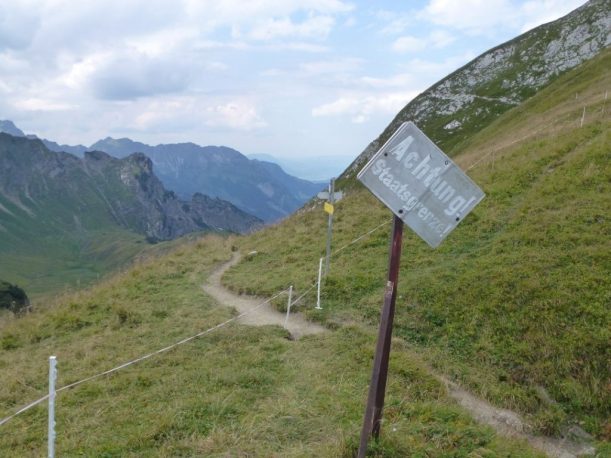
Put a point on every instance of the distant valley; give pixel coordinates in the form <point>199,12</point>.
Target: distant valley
<point>60,213</point>
<point>69,213</point>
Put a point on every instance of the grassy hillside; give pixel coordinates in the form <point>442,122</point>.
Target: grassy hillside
<point>515,303</point>
<point>65,221</point>
<point>239,391</point>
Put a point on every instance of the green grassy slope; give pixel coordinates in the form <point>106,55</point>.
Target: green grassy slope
<point>58,233</point>
<point>515,303</point>
<point>238,391</point>
<point>65,222</point>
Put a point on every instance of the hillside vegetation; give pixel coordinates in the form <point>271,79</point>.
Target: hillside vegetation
<point>238,391</point>
<point>515,303</point>
<point>64,221</point>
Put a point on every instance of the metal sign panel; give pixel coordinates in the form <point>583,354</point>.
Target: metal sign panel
<point>324,195</point>
<point>420,184</point>
<point>329,208</point>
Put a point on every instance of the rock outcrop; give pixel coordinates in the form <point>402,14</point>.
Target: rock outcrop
<point>501,78</point>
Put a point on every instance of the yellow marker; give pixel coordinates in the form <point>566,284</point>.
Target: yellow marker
<point>329,208</point>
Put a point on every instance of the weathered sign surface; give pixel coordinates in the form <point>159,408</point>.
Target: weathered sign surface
<point>420,184</point>
<point>337,196</point>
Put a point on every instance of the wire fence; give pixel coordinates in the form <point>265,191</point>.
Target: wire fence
<point>187,339</point>
<point>142,358</point>
<point>267,301</point>
<point>545,127</point>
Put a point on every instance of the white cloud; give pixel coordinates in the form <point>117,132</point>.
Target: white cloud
<point>316,27</point>
<point>437,39</point>
<point>298,46</point>
<point>537,12</point>
<point>360,107</point>
<point>394,22</point>
<point>33,104</point>
<point>337,66</point>
<point>18,24</point>
<point>163,41</point>
<point>408,44</point>
<point>401,80</point>
<point>236,115</point>
<point>239,11</point>
<point>441,38</point>
<point>474,16</point>
<point>131,75</point>
<point>433,70</point>
<point>479,17</point>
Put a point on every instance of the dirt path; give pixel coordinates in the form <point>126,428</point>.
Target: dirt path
<point>505,422</point>
<point>264,315</point>
<point>510,424</point>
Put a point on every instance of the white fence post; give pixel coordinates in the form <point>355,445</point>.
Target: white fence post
<point>319,278</point>
<point>288,306</point>
<point>583,116</point>
<point>52,379</point>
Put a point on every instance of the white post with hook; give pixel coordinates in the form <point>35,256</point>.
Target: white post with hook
<point>52,380</point>
<point>319,279</point>
<point>288,306</point>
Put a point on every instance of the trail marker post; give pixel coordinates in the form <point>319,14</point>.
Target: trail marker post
<point>288,306</point>
<point>51,428</point>
<point>319,280</point>
<point>329,207</point>
<point>428,192</point>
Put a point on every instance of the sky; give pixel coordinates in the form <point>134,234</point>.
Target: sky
<point>288,78</point>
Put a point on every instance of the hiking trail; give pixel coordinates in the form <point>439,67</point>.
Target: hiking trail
<point>505,422</point>
<point>297,325</point>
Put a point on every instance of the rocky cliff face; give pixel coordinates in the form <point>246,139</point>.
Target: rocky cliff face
<point>257,187</point>
<point>474,95</point>
<point>102,190</point>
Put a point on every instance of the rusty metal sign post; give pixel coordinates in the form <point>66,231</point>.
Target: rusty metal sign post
<point>377,387</point>
<point>431,194</point>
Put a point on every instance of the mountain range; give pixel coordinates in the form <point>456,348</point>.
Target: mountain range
<point>257,186</point>
<point>56,208</point>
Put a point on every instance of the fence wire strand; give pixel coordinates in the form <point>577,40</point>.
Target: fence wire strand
<point>141,358</point>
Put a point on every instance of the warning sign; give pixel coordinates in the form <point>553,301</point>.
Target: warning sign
<point>420,184</point>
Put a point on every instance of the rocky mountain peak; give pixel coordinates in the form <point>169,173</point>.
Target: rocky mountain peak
<point>501,78</point>
<point>10,128</point>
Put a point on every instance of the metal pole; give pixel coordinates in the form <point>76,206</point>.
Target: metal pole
<point>319,279</point>
<point>330,226</point>
<point>379,375</point>
<point>288,306</point>
<point>52,379</point>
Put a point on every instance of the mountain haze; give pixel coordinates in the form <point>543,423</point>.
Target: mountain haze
<point>257,187</point>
